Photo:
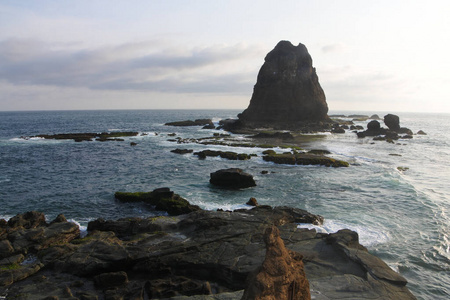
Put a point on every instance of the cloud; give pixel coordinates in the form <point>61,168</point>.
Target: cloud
<point>145,66</point>
<point>337,47</point>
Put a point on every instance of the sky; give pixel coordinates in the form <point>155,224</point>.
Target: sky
<point>135,54</point>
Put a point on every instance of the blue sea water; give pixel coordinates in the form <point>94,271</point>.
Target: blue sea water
<point>401,216</point>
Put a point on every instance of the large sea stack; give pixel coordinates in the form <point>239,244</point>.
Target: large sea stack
<point>287,91</point>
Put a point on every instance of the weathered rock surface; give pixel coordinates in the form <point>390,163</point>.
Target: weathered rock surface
<point>281,276</point>
<point>163,199</point>
<point>201,255</point>
<point>223,154</point>
<point>305,159</point>
<point>232,178</point>
<point>287,91</point>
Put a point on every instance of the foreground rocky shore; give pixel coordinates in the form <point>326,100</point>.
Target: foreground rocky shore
<point>198,255</point>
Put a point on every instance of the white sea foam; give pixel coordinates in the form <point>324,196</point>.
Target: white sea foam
<point>367,236</point>
<point>83,229</point>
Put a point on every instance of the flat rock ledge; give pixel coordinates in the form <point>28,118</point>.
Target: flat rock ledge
<point>200,255</point>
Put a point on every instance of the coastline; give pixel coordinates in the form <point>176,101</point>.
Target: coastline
<point>143,258</point>
<point>373,183</point>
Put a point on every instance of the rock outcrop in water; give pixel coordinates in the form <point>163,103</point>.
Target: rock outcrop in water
<point>287,91</point>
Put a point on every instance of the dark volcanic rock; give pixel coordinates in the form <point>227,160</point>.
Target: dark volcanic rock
<point>204,253</point>
<point>287,90</point>
<point>374,126</point>
<point>198,122</point>
<point>163,199</point>
<point>305,159</point>
<point>223,154</point>
<point>392,122</point>
<point>232,178</point>
<point>182,151</point>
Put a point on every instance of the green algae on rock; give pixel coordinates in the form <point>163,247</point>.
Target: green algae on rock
<point>305,159</point>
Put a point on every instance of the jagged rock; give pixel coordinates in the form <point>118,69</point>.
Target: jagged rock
<point>281,276</point>
<point>28,220</point>
<point>204,252</point>
<point>232,178</point>
<point>287,90</point>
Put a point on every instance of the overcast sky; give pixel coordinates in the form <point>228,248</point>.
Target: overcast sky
<point>369,55</point>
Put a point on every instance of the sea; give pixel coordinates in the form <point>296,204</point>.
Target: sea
<point>396,196</point>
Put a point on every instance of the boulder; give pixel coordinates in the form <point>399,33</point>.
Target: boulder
<point>421,132</point>
<point>392,122</point>
<point>373,126</point>
<point>287,90</point>
<point>281,276</point>
<point>232,178</point>
<point>252,202</point>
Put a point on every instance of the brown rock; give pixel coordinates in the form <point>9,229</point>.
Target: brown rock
<point>252,202</point>
<point>282,274</point>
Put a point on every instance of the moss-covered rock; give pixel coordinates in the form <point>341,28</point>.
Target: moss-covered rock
<point>305,159</point>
